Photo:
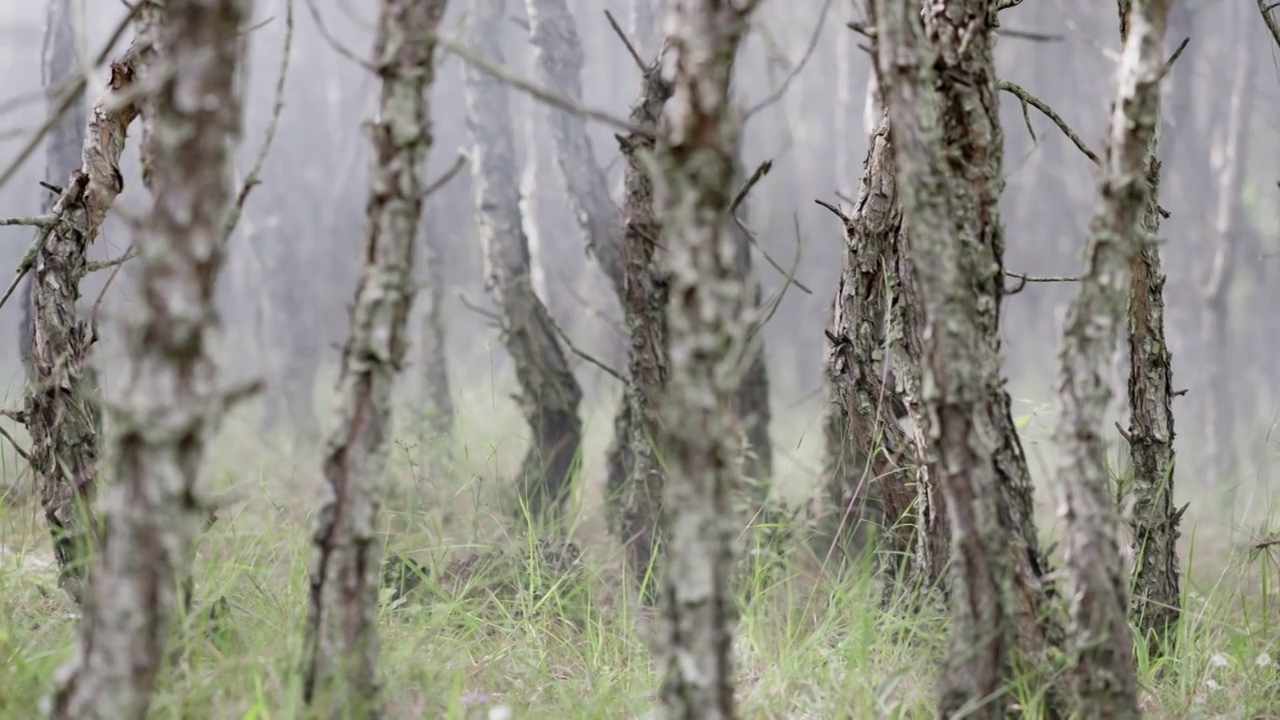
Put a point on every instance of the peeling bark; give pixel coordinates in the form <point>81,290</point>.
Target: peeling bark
<point>1103,668</point>
<point>171,406</point>
<point>1153,521</point>
<point>868,452</point>
<point>939,85</point>
<point>63,405</point>
<point>707,322</point>
<point>635,474</point>
<point>550,394</point>
<point>341,655</point>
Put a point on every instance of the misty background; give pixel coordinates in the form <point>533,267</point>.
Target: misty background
<point>294,259</point>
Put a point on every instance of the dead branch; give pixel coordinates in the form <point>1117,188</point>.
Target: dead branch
<point>1267,18</point>
<point>458,164</point>
<point>777,94</point>
<point>252,179</point>
<point>1027,98</point>
<point>585,355</point>
<point>22,453</point>
<point>333,42</point>
<point>617,29</point>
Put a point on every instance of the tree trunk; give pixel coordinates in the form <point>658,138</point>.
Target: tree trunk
<point>171,406</point>
<point>867,407</point>
<point>438,410</point>
<point>63,405</point>
<point>939,84</point>
<point>1103,667</point>
<point>550,394</point>
<point>707,322</point>
<point>1228,162</point>
<point>341,655</point>
<point>752,401</point>
<point>636,475</point>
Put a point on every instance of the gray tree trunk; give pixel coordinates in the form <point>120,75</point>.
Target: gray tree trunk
<point>550,394</point>
<point>341,641</point>
<point>63,406</point>
<point>1100,642</point>
<point>939,85</point>
<point>171,405</point>
<point>438,409</point>
<point>708,326</point>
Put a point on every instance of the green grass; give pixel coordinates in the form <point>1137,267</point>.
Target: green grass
<point>509,635</point>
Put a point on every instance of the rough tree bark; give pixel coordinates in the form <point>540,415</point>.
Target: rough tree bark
<point>708,329</point>
<point>939,85</point>
<point>635,472</point>
<point>63,405</point>
<point>1153,521</point>
<point>171,405</point>
<point>868,452</point>
<point>341,641</point>
<point>1103,667</point>
<point>550,394</point>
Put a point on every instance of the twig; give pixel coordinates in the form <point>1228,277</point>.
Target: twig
<point>1028,35</point>
<point>1024,279</point>
<point>333,42</point>
<point>101,265</point>
<point>37,221</point>
<point>777,94</point>
<point>845,219</point>
<point>540,93</point>
<point>1027,98</point>
<point>479,310</point>
<point>583,354</point>
<point>751,238</point>
<point>97,303</point>
<point>756,176</point>
<point>252,179</point>
<point>1272,26</point>
<point>16,447</point>
<point>613,23</point>
<point>1168,65</point>
<point>448,176</point>
<point>782,291</point>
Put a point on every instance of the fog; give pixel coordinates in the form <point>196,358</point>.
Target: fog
<point>295,257</point>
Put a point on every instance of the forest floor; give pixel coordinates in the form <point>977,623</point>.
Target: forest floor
<point>515,640</point>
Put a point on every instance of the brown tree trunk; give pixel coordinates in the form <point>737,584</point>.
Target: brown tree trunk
<point>341,641</point>
<point>1103,665</point>
<point>62,407</point>
<point>1153,521</point>
<point>635,472</point>
<point>708,337</point>
<point>550,394</point>
<point>171,405</point>
<point>874,453</point>
<point>939,85</point>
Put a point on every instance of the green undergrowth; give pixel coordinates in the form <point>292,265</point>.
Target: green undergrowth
<point>492,626</point>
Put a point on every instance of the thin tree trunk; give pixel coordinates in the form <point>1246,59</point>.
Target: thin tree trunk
<point>1153,521</point>
<point>752,401</point>
<point>1215,316</point>
<point>708,328</point>
<point>1103,664</point>
<point>171,405</point>
<point>62,408</point>
<point>550,394</point>
<point>867,405</point>
<point>438,407</point>
<point>938,74</point>
<point>636,474</point>
<point>341,641</point>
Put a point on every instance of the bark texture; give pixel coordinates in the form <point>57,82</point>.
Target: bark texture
<point>1103,666</point>
<point>635,473</point>
<point>341,643</point>
<point>868,479</point>
<point>63,406</point>
<point>1153,521</point>
<point>939,86</point>
<point>708,338</point>
<point>171,406</point>
<point>550,394</point>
